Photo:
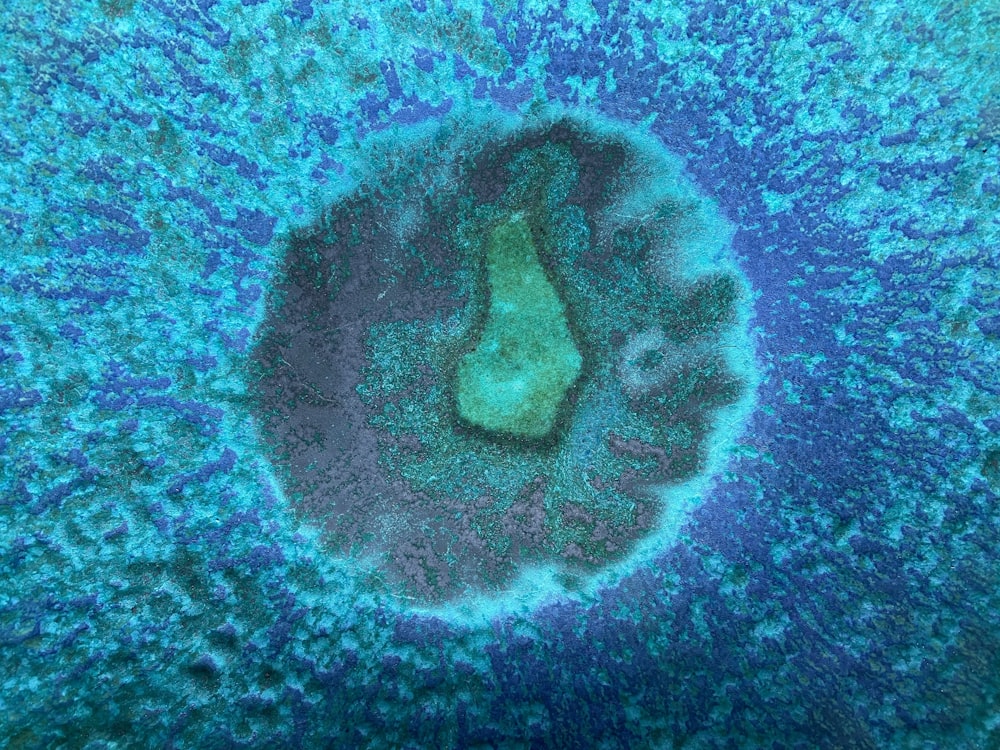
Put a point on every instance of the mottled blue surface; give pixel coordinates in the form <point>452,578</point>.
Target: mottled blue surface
<point>838,587</point>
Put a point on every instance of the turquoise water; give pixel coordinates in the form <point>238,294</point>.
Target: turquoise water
<point>232,516</point>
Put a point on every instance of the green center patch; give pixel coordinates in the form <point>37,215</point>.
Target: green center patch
<point>517,376</point>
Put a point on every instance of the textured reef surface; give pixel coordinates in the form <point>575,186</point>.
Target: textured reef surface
<point>464,383</point>
<point>514,374</point>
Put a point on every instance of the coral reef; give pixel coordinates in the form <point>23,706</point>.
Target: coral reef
<point>387,364</point>
<point>211,517</point>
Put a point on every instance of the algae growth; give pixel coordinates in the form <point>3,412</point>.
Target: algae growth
<point>517,376</point>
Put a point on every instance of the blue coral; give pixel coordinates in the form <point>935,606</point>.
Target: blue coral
<point>837,585</point>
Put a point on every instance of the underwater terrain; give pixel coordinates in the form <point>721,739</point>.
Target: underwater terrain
<point>590,374</point>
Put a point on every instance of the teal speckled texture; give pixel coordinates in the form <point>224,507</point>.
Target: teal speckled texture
<point>832,583</point>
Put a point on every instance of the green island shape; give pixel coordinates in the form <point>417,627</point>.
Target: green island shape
<point>517,376</point>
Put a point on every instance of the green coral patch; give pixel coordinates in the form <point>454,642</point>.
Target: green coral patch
<point>517,376</point>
